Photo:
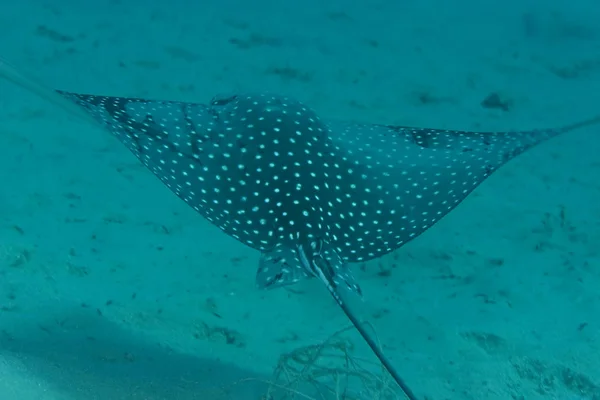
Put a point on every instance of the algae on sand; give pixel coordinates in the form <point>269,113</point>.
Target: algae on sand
<point>329,371</point>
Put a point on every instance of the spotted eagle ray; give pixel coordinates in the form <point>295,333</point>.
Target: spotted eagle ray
<point>310,194</point>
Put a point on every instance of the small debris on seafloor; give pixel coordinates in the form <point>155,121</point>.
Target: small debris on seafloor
<point>494,100</point>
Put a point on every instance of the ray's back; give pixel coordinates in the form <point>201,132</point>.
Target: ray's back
<point>267,170</point>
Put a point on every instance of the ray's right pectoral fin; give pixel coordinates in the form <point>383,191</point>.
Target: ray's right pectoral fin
<point>279,267</point>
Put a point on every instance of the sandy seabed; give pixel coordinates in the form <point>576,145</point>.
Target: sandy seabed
<point>112,288</point>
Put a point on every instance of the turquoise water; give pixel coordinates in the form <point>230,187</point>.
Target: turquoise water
<point>112,288</point>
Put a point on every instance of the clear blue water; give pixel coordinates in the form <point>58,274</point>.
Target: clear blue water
<point>112,288</point>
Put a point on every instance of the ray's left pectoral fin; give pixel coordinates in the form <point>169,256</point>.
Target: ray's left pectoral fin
<point>279,267</point>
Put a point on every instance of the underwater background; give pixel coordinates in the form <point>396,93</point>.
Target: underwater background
<point>112,288</point>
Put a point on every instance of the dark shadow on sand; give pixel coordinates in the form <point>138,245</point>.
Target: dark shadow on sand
<point>87,357</point>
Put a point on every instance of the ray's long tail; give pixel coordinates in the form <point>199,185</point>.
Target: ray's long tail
<point>387,364</point>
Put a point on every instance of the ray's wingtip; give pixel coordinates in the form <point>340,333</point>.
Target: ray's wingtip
<point>14,75</point>
<point>583,124</point>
